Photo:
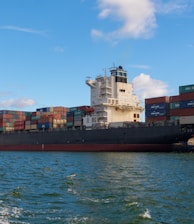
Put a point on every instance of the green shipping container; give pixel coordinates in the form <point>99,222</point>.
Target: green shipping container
<point>186,89</point>
<point>69,124</point>
<point>174,118</point>
<point>35,118</point>
<point>79,112</point>
<point>28,114</point>
<point>72,109</point>
<point>175,105</point>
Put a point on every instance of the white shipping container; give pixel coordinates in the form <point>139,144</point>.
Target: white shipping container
<point>87,121</point>
<point>186,119</point>
<point>33,126</point>
<point>27,127</point>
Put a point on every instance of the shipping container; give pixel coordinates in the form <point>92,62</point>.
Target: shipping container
<point>186,96</point>
<point>59,121</point>
<point>174,118</point>
<point>27,127</point>
<point>69,124</point>
<point>156,113</point>
<point>182,112</point>
<point>35,117</point>
<point>186,89</point>
<point>45,125</point>
<point>70,113</point>
<point>174,99</point>
<point>60,109</point>
<point>33,126</point>
<point>73,109</point>
<point>163,99</point>
<point>19,125</point>
<point>79,113</point>
<point>70,119</point>
<point>157,106</point>
<point>77,123</point>
<point>155,119</point>
<point>33,122</point>
<point>77,118</point>
<point>187,104</point>
<point>175,105</point>
<point>44,109</point>
<point>28,114</point>
<point>87,121</point>
<point>186,119</point>
<point>27,122</point>
<point>86,109</point>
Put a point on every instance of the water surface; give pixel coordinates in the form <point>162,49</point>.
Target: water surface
<point>62,187</point>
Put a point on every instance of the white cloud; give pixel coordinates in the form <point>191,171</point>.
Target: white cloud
<point>17,103</point>
<point>137,18</point>
<point>147,87</point>
<point>22,29</point>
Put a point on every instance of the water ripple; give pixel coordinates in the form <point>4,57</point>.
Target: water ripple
<point>115,188</point>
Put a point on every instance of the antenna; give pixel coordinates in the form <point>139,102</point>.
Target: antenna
<point>104,69</point>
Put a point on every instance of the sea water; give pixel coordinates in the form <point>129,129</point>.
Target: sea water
<point>62,187</point>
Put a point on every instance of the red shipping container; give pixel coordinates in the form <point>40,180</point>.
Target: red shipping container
<point>174,99</point>
<point>154,119</point>
<point>162,99</point>
<point>19,128</point>
<point>33,114</point>
<point>182,112</point>
<point>186,96</point>
<point>70,119</point>
<point>18,123</point>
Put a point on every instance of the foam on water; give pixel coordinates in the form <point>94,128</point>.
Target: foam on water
<point>7,213</point>
<point>146,214</point>
<point>71,176</point>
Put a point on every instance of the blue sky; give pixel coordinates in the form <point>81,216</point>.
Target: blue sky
<point>48,48</point>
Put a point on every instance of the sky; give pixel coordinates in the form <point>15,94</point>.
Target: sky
<point>48,48</point>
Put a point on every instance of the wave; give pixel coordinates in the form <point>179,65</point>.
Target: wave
<point>146,214</point>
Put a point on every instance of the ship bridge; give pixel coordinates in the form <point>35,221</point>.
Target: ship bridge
<point>119,73</point>
<point>113,99</point>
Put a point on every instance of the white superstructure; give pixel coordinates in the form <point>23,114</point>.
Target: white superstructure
<point>113,100</point>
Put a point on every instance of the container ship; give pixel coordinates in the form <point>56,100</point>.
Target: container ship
<point>111,123</point>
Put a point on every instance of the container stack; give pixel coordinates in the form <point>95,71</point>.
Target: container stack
<point>157,109</point>
<point>182,105</point>
<point>31,122</point>
<point>11,120</point>
<point>76,115</point>
<point>52,117</point>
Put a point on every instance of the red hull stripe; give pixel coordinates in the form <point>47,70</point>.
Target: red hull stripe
<point>91,147</point>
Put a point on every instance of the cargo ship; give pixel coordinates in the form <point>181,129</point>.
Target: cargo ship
<point>111,123</point>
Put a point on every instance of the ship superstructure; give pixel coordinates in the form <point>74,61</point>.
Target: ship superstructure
<point>113,99</point>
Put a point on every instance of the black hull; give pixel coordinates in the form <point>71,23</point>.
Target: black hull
<point>140,139</point>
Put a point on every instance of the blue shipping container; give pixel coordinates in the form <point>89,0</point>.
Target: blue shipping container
<point>157,106</point>
<point>187,104</point>
<point>70,114</point>
<point>156,113</point>
<point>46,125</point>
